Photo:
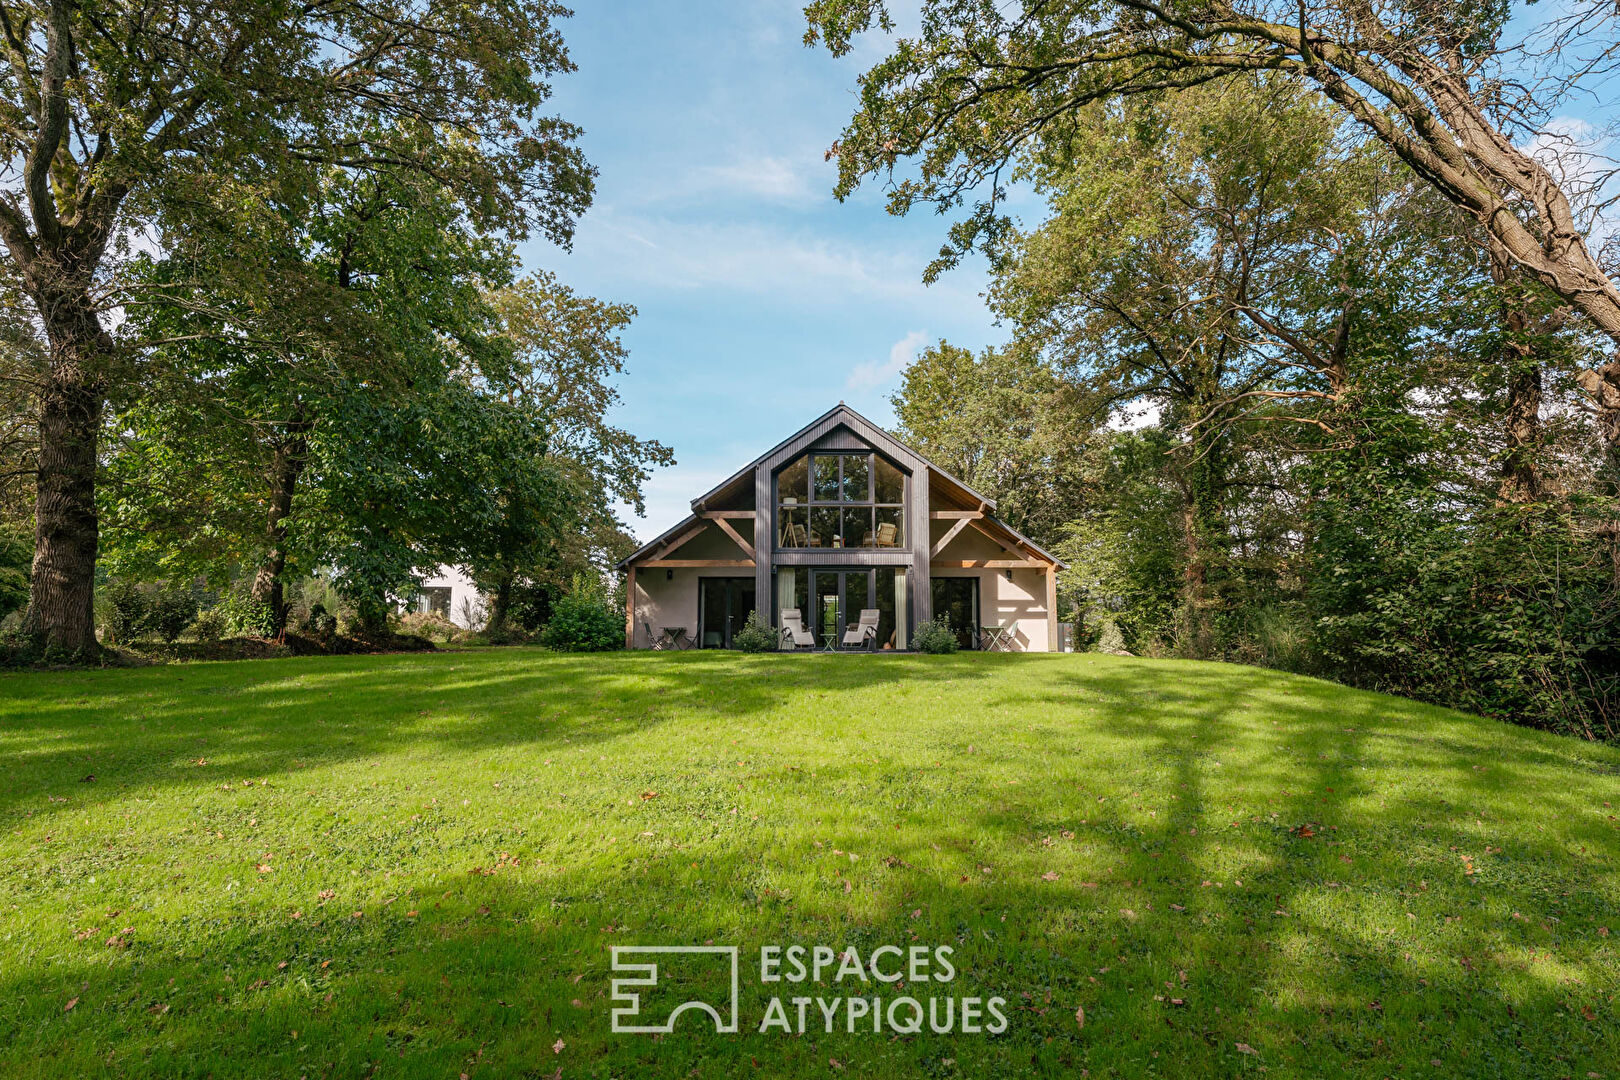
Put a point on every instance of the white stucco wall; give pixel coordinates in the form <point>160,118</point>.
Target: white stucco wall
<point>463,592</point>
<point>1020,601</point>
<point>666,598</point>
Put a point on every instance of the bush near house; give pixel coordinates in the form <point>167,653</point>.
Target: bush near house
<point>934,636</point>
<point>585,620</point>
<point>757,635</point>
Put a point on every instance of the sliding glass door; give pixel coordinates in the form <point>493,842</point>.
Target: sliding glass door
<point>725,604</point>
<point>832,599</point>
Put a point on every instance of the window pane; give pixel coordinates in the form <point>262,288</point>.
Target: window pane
<point>855,598</point>
<point>826,478</point>
<point>858,527</point>
<point>857,470</point>
<point>891,483</point>
<point>884,602</point>
<point>794,533</point>
<point>890,531</point>
<point>792,483</point>
<point>824,531</point>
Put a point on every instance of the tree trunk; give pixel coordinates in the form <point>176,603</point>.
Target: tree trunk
<point>1204,540</point>
<point>501,604</point>
<point>61,598</point>
<point>1521,481</point>
<point>287,464</point>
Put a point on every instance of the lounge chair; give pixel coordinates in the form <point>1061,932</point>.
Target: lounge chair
<point>885,536</point>
<point>863,632</point>
<point>794,635</point>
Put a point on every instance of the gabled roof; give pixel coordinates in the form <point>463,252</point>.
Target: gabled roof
<point>840,415</point>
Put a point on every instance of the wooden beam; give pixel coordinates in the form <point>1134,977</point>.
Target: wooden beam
<point>679,539</point>
<point>961,523</point>
<point>701,564</point>
<point>726,527</point>
<point>986,564</point>
<point>630,608</point>
<point>963,514</point>
<point>744,515</point>
<point>1051,610</point>
<point>978,523</point>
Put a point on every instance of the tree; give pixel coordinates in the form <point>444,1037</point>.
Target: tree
<point>1005,423</point>
<point>566,353</point>
<point>1442,85</point>
<point>272,391</point>
<point>126,117</point>
<point>1211,255</point>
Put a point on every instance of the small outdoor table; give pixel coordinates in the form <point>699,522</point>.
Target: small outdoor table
<point>995,638</point>
<point>675,638</point>
<point>829,640</point>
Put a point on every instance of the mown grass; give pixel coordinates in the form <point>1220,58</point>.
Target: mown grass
<point>414,866</point>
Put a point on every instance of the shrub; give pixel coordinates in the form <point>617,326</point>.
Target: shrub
<point>934,636</point>
<point>247,616</point>
<point>123,611</point>
<point>584,621</point>
<point>169,612</point>
<point>427,624</point>
<point>1110,639</point>
<point>757,635</point>
<point>209,625</point>
<point>318,622</point>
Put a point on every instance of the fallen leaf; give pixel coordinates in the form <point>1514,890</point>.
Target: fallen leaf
<point>1050,875</point>
<point>1080,1016</point>
<point>1245,1048</point>
<point>69,1006</point>
<point>557,1047</point>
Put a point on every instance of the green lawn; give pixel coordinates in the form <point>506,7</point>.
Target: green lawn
<point>416,865</point>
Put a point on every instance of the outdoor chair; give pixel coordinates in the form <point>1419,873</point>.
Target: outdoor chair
<point>654,641</point>
<point>864,631</point>
<point>794,635</point>
<point>887,534</point>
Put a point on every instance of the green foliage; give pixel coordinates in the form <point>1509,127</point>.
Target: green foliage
<point>935,637</point>
<point>320,623</point>
<point>16,561</point>
<point>122,609</point>
<point>210,625</point>
<point>245,615</point>
<point>131,612</point>
<point>170,611</point>
<point>584,620</point>
<point>757,635</point>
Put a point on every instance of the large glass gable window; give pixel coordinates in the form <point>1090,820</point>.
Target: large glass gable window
<point>839,501</point>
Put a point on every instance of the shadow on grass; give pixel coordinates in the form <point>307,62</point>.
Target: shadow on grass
<point>1190,912</point>
<point>267,718</point>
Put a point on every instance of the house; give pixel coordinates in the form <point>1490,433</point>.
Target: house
<point>449,592</point>
<point>839,518</point>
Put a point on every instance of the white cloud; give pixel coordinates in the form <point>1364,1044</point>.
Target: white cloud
<point>764,176</point>
<point>871,374</point>
<point>756,258</point>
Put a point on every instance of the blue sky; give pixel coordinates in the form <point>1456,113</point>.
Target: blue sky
<point>762,300</point>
